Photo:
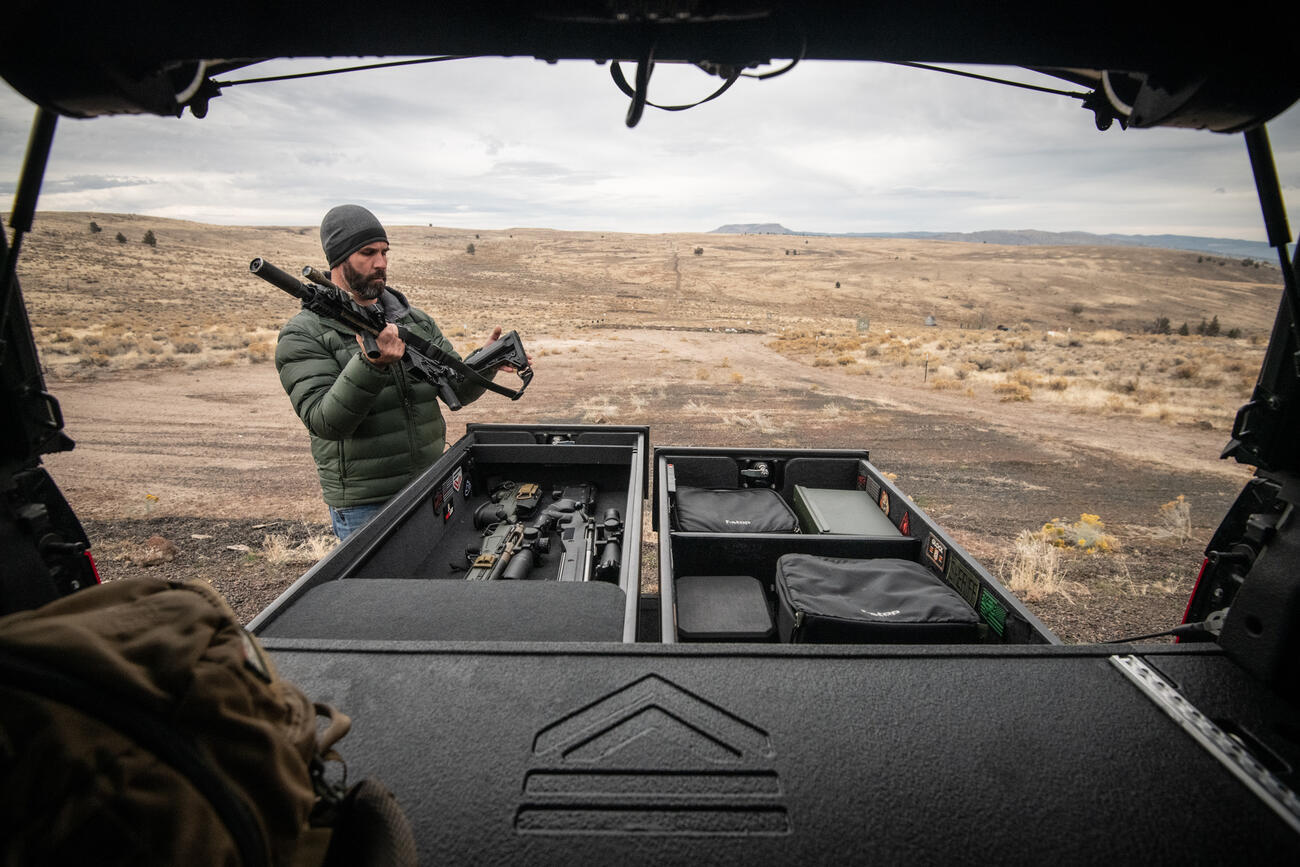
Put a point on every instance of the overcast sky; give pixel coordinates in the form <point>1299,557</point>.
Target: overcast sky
<point>497,143</point>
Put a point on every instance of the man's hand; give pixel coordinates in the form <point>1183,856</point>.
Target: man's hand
<point>492,338</point>
<point>391,347</point>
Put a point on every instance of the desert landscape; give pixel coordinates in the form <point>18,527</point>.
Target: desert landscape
<point>1062,415</point>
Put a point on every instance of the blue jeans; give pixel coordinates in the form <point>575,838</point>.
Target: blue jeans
<point>349,519</point>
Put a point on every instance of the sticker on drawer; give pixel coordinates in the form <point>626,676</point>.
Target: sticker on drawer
<point>936,552</point>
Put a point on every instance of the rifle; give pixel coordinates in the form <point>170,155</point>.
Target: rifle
<point>511,550</point>
<point>526,543</point>
<point>577,546</point>
<point>508,502</point>
<point>578,561</point>
<point>520,546</point>
<point>422,359</point>
<point>496,518</point>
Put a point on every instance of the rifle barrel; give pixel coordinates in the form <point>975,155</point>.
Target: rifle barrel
<point>320,279</point>
<point>513,543</point>
<point>280,279</point>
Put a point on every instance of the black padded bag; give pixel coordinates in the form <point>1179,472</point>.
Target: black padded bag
<point>829,600</point>
<point>734,510</point>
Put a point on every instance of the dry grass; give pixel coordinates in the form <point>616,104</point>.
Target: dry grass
<point>1175,519</point>
<point>1008,391</point>
<point>100,307</point>
<point>1163,378</point>
<point>754,421</point>
<point>279,550</point>
<point>1121,581</point>
<point>1032,569</point>
<point>123,344</point>
<point>599,411</point>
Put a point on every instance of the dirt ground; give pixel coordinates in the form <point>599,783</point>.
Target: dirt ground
<point>215,463</point>
<point>160,359</point>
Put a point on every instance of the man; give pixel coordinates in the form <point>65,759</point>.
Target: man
<point>373,426</point>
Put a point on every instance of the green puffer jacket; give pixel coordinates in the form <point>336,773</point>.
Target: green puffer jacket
<point>372,430</point>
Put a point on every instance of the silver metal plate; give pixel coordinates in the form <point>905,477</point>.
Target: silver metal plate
<point>1218,743</point>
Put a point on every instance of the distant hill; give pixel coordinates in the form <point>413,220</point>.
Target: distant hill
<point>1231,247</point>
<point>755,229</point>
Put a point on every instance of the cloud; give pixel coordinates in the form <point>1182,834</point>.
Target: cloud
<point>495,143</point>
<point>919,193</point>
<point>85,183</point>
<point>541,170</point>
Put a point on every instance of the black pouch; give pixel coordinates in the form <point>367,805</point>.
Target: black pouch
<point>829,600</point>
<point>734,510</point>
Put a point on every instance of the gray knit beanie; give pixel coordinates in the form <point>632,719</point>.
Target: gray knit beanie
<point>346,229</point>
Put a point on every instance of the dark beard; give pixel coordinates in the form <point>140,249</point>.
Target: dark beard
<point>365,290</point>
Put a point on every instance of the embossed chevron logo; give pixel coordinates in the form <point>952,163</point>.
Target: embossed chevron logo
<point>652,758</point>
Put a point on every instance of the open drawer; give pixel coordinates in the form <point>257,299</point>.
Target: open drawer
<point>498,504</point>
<point>846,510</point>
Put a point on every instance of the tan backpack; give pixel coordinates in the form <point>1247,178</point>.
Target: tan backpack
<point>141,724</point>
